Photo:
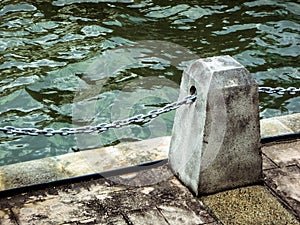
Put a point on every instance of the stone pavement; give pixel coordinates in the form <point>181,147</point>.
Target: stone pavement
<point>260,204</point>
<point>155,196</point>
<point>113,157</point>
<point>282,172</point>
<point>152,195</point>
<point>109,201</point>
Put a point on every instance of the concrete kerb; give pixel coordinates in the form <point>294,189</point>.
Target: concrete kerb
<point>73,164</point>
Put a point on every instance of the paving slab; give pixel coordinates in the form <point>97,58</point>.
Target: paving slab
<point>248,205</point>
<point>273,127</point>
<point>83,163</point>
<point>178,215</point>
<point>107,201</point>
<point>268,163</point>
<point>30,172</point>
<point>114,157</point>
<point>151,194</point>
<point>285,182</point>
<point>148,217</point>
<point>283,153</point>
<point>284,178</point>
<point>291,121</point>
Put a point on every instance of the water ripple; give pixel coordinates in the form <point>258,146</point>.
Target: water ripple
<point>53,53</point>
<point>16,8</point>
<point>69,2</point>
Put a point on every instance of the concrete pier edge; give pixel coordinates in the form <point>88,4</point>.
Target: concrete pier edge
<point>277,198</point>
<point>78,164</point>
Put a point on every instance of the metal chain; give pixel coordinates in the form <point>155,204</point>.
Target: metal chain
<point>141,118</point>
<point>279,90</point>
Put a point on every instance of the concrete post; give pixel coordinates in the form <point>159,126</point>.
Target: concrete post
<point>215,142</point>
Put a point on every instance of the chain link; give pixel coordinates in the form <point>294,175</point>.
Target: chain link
<point>279,90</point>
<point>138,119</point>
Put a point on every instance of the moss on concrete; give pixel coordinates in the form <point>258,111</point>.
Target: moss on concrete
<point>249,205</point>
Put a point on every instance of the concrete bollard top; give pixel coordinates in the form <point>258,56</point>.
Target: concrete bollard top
<point>215,142</point>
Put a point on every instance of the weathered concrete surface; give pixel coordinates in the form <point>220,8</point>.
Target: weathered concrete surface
<point>285,182</point>
<point>249,205</point>
<point>273,127</point>
<point>82,163</point>
<point>292,121</point>
<point>104,201</point>
<point>91,202</point>
<point>281,169</point>
<point>109,201</point>
<point>215,141</point>
<point>255,204</point>
<point>284,179</point>
<point>98,160</point>
<point>284,154</point>
<point>280,125</point>
<point>30,172</point>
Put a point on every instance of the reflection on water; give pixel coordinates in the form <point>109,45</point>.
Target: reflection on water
<point>81,62</point>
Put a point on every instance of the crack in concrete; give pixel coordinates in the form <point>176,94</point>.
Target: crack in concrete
<point>14,217</point>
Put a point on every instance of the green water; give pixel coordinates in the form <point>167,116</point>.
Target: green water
<point>68,63</point>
